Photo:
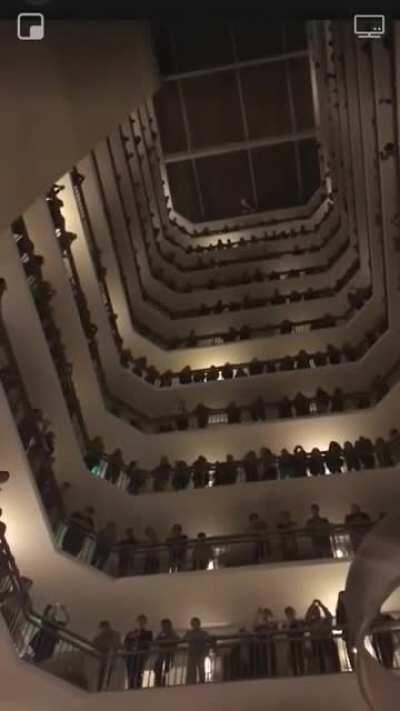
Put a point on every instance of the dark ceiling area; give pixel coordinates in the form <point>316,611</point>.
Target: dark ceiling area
<point>236,117</point>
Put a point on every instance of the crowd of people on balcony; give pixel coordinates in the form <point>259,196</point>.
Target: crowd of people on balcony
<point>258,543</point>
<point>253,467</point>
<point>332,355</point>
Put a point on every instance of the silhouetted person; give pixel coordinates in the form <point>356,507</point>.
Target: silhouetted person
<point>201,474</point>
<point>168,642</point>
<point>319,528</point>
<point>316,462</point>
<point>365,452</point>
<point>202,413</point>
<point>285,408</point>
<point>212,374</point>
<point>105,541</point>
<point>358,522</point>
<point>337,400</point>
<point>286,464</point>
<point>256,367</point>
<point>286,326</point>
<point>115,466</point>
<point>137,642</point>
<point>268,466</point>
<point>350,457</point>
<point>303,359</point>
<point>136,478</point>
<point>177,546</point>
<point>301,405</point>
<point>126,553</point>
<point>287,363</point>
<point>258,409</point>
<point>202,552</point>
<point>300,461</point>
<point>257,529</point>
<point>162,474</point>
<point>288,539</point>
<point>322,401</point>
<point>152,560</point>
<point>320,359</point>
<point>296,641</point>
<point>181,475</point>
<point>250,466</point>
<point>185,376</point>
<point>333,458</point>
<point>342,621</point>
<point>324,653</point>
<point>233,412</point>
<point>334,355</point>
<point>198,641</point>
<point>227,371</point>
<point>107,642</point>
<point>383,453</point>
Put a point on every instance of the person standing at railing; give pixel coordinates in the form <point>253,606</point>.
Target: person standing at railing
<point>257,529</point>
<point>136,478</point>
<point>296,641</point>
<point>115,466</point>
<point>201,474</point>
<point>45,640</point>
<point>319,528</point>
<point>162,474</point>
<point>342,621</point>
<point>126,554</point>
<point>152,560</point>
<point>199,642</point>
<point>168,642</point>
<point>324,654</point>
<point>288,539</point>
<point>79,523</point>
<point>358,522</point>
<point>264,649</point>
<point>105,541</point>
<point>137,643</point>
<point>177,546</point>
<point>107,642</point>
<point>202,553</point>
<point>95,453</point>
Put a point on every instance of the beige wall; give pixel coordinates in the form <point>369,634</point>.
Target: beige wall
<point>62,95</point>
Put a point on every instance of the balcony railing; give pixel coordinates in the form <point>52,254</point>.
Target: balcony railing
<point>275,649</point>
<point>331,541</point>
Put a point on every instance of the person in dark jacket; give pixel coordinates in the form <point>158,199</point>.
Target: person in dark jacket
<point>177,546</point>
<point>316,462</point>
<point>300,461</point>
<point>126,551</point>
<point>350,457</point>
<point>359,523</point>
<point>319,528</point>
<point>137,643</point>
<point>301,405</point>
<point>168,642</point>
<point>115,466</point>
<point>105,541</point>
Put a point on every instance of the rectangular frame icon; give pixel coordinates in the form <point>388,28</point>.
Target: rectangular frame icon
<point>35,22</point>
<point>369,26</point>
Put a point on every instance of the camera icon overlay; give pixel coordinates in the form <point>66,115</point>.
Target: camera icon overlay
<point>30,26</point>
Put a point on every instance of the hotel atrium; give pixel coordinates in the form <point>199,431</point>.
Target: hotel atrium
<point>200,366</point>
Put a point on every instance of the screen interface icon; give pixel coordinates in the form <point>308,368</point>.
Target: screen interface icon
<point>30,26</point>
